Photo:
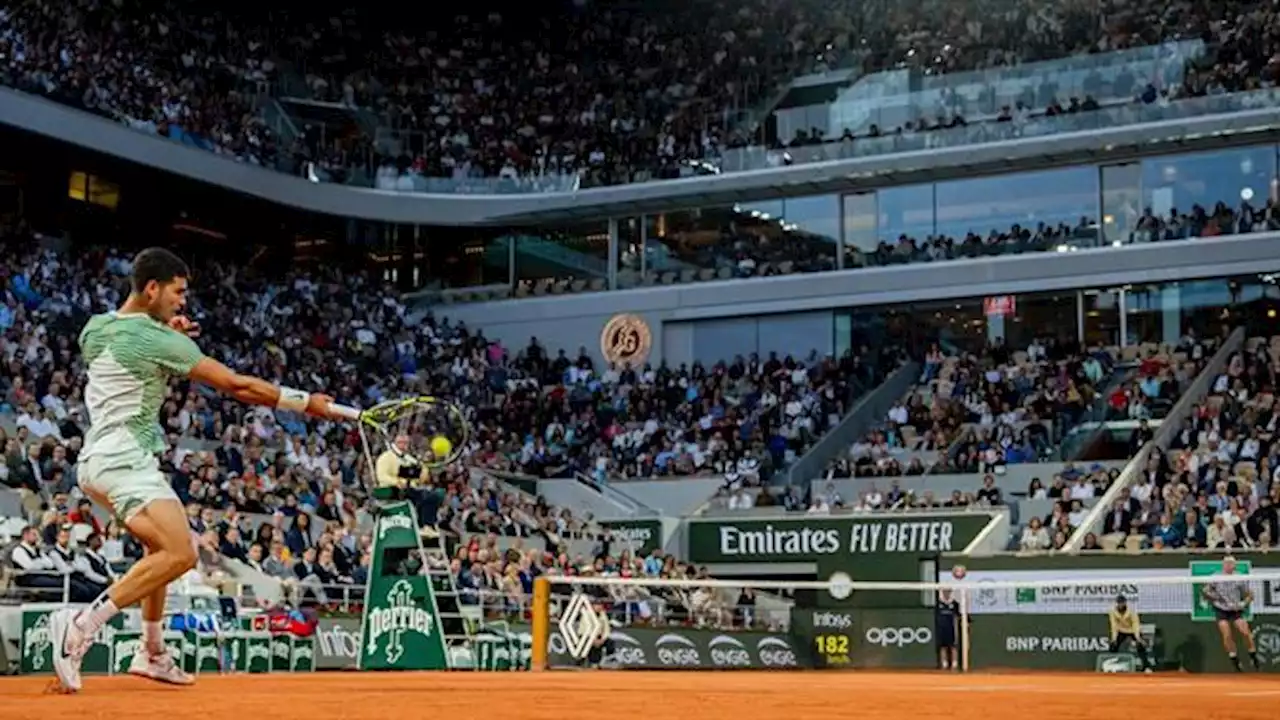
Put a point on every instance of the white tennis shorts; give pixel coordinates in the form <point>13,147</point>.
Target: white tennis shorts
<point>126,487</point>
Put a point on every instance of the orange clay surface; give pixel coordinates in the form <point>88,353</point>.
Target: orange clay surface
<point>685,695</point>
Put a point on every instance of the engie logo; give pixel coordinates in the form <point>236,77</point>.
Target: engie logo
<point>899,637</point>
<point>727,651</point>
<point>775,652</point>
<point>678,650</point>
<point>627,651</point>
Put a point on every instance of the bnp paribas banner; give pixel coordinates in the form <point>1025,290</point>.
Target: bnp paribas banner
<point>1094,591</point>
<point>809,538</point>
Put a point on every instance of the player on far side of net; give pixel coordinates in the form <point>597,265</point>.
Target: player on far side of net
<point>1230,599</point>
<point>1126,627</point>
<point>131,354</point>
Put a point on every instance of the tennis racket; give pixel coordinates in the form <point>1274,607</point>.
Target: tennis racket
<point>428,430</point>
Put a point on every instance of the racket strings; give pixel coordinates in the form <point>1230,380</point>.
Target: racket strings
<point>423,423</point>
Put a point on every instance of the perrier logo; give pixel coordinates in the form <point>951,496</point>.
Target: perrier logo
<point>127,648</point>
<point>389,623</point>
<point>36,643</point>
<point>391,522</point>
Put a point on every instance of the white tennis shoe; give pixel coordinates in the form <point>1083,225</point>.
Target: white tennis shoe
<point>69,646</point>
<point>160,668</point>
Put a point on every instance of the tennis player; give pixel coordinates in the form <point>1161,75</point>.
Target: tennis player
<point>131,354</point>
<point>1230,598</point>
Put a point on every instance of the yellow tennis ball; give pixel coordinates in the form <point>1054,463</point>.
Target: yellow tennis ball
<point>441,447</point>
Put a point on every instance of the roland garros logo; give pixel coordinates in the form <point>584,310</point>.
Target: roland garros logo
<point>626,339</point>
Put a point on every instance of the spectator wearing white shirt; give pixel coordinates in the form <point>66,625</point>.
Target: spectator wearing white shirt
<point>1083,489</point>
<point>1034,536</point>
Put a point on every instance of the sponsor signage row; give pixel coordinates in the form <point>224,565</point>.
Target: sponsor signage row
<point>810,538</point>
<point>870,638</point>
<point>1095,591</point>
<point>676,648</point>
<point>1081,642</point>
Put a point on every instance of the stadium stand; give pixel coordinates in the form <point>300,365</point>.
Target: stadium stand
<point>365,100</point>
<point>482,104</point>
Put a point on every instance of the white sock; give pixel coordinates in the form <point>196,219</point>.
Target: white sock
<point>91,619</point>
<point>153,636</point>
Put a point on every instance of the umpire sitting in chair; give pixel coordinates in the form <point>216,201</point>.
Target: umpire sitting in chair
<point>401,476</point>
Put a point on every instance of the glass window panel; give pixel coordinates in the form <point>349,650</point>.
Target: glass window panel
<point>78,186</point>
<point>1121,202</point>
<point>812,231</point>
<point>859,218</point>
<point>1101,317</point>
<point>563,259</point>
<point>1042,315</point>
<point>981,206</point>
<point>630,252</point>
<point>1179,182</point>
<point>756,239</point>
<point>906,211</point>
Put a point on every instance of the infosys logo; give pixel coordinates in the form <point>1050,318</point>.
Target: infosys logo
<point>899,637</point>
<point>728,652</point>
<point>677,650</point>
<point>775,652</point>
<point>627,650</point>
<point>832,620</point>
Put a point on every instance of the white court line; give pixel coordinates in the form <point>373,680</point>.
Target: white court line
<point>1161,685</point>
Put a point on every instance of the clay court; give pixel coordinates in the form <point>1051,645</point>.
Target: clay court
<point>684,695</point>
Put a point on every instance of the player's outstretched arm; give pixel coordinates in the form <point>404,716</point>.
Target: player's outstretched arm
<point>255,391</point>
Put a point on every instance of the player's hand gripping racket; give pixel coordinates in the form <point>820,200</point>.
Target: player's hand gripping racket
<point>431,431</point>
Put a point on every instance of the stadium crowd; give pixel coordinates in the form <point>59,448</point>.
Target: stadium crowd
<point>615,96</point>
<point>977,412</point>
<point>1216,488</point>
<point>285,495</point>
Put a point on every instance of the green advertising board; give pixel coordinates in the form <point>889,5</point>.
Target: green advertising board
<point>250,651</point>
<point>400,628</point>
<point>203,653</point>
<point>1201,609</point>
<point>1076,642</point>
<point>496,647</point>
<point>870,638</point>
<point>640,536</point>
<point>37,646</point>
<point>809,539</point>
<point>124,645</point>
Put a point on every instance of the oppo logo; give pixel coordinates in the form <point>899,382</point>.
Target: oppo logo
<point>899,637</point>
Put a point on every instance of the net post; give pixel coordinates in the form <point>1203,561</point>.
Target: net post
<point>964,629</point>
<point>541,623</point>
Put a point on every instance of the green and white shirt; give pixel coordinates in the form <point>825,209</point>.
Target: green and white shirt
<point>131,358</point>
